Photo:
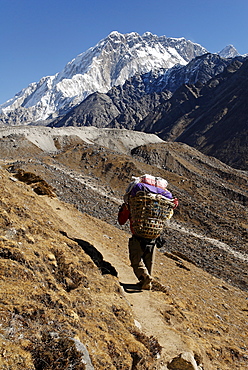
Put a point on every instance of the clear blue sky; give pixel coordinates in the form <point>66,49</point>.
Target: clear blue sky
<point>38,37</point>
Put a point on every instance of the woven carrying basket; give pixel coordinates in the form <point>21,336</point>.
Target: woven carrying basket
<point>149,213</point>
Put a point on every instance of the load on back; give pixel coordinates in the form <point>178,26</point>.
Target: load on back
<point>147,205</point>
<point>150,204</point>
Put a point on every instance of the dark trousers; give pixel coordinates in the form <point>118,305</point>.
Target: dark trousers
<point>141,255</point>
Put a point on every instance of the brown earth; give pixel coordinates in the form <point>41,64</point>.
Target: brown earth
<point>66,279</point>
<point>209,227</point>
<point>52,289</point>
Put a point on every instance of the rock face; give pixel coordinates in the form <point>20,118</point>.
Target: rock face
<point>184,361</point>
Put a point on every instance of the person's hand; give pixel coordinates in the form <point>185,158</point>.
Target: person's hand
<point>175,201</point>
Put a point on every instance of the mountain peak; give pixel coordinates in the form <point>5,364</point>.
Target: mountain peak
<point>148,33</point>
<point>109,63</point>
<point>229,52</point>
<point>114,33</point>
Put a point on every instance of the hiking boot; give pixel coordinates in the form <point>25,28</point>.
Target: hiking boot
<point>141,282</point>
<point>147,283</point>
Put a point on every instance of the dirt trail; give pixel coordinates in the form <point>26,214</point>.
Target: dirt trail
<point>93,184</point>
<point>112,244</point>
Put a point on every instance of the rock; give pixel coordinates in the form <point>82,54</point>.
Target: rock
<point>185,361</point>
<point>85,354</point>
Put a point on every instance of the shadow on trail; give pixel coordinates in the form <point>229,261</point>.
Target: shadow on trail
<point>135,288</point>
<point>131,288</point>
<point>104,266</point>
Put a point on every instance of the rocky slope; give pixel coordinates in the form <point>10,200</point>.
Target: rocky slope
<point>67,297</point>
<point>128,104</point>
<point>213,98</point>
<point>92,167</point>
<point>212,118</point>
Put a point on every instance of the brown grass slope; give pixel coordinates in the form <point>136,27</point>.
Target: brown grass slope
<point>52,292</point>
<point>210,224</point>
<point>64,267</point>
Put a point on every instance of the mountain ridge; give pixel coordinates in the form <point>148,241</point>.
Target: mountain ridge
<point>164,104</point>
<point>112,61</point>
<point>130,94</point>
<point>156,101</point>
<point>212,118</point>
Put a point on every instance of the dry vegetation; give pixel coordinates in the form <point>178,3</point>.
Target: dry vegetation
<point>52,292</point>
<point>66,297</point>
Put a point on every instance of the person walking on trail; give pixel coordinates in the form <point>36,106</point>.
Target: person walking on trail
<point>142,244</point>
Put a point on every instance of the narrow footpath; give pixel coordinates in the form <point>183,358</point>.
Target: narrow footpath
<point>146,305</point>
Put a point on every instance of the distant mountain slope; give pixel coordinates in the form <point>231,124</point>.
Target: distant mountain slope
<point>111,62</point>
<point>31,140</point>
<point>126,105</point>
<point>212,118</point>
<point>209,112</point>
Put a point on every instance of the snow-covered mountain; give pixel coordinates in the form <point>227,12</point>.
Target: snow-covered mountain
<point>110,63</point>
<point>229,52</point>
<point>126,105</point>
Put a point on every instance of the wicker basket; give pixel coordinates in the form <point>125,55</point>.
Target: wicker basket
<point>149,213</point>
